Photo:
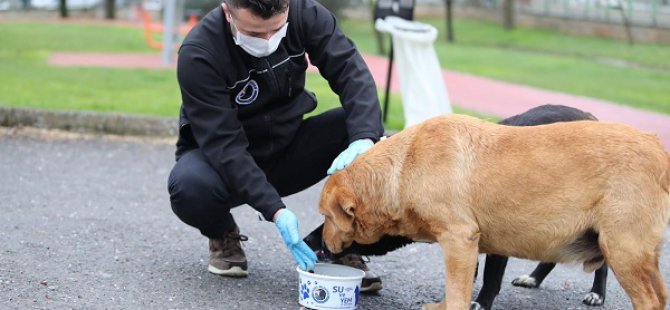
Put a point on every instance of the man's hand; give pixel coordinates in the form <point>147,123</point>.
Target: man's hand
<point>347,156</point>
<point>287,223</point>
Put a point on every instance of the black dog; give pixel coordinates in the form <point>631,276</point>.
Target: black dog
<point>495,265</point>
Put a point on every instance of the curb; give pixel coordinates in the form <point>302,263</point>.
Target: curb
<point>96,122</point>
<point>89,122</point>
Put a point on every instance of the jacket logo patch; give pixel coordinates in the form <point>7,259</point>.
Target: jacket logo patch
<point>248,94</point>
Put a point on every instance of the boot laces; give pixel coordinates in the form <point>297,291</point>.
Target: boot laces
<point>234,237</point>
<point>232,242</point>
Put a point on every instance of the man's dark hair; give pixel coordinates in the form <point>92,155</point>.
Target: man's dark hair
<point>262,8</point>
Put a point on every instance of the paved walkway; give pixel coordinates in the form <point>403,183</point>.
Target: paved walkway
<point>99,233</point>
<point>483,95</point>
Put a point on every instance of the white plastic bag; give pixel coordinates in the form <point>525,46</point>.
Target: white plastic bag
<point>422,87</point>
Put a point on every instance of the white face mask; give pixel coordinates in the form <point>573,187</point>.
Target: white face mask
<point>256,46</point>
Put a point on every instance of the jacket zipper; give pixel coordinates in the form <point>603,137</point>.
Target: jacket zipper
<point>273,76</point>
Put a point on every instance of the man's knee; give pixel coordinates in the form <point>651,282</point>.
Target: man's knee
<point>188,186</point>
<point>194,187</point>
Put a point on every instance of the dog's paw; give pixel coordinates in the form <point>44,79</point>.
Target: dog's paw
<point>476,306</point>
<point>593,299</point>
<point>525,281</point>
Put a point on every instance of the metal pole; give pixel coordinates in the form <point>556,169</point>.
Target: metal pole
<point>168,29</point>
<point>586,9</point>
<point>387,94</point>
<point>654,10</point>
<point>546,7</point>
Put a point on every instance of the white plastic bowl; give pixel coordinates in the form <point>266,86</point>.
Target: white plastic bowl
<point>330,287</point>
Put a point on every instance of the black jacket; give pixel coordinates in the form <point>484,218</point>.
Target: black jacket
<point>241,110</point>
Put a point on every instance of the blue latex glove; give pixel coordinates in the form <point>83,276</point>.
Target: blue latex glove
<point>287,223</point>
<point>347,156</point>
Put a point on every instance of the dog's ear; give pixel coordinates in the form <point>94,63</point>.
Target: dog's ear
<point>338,202</point>
<point>343,210</point>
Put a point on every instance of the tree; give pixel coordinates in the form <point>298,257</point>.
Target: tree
<point>626,22</point>
<point>110,9</point>
<point>508,14</point>
<point>62,7</point>
<point>450,28</point>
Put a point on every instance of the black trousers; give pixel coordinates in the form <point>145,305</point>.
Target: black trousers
<point>201,199</point>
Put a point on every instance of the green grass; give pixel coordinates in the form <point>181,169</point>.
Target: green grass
<point>27,81</point>
<point>33,36</point>
<point>538,58</point>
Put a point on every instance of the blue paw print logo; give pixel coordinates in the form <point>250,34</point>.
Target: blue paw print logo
<point>304,291</point>
<point>357,293</point>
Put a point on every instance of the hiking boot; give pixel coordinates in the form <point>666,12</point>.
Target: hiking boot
<point>371,282</point>
<point>226,257</point>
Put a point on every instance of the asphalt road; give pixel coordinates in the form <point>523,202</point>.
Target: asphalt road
<point>86,224</point>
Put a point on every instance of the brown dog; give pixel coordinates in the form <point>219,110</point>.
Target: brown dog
<point>575,192</point>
